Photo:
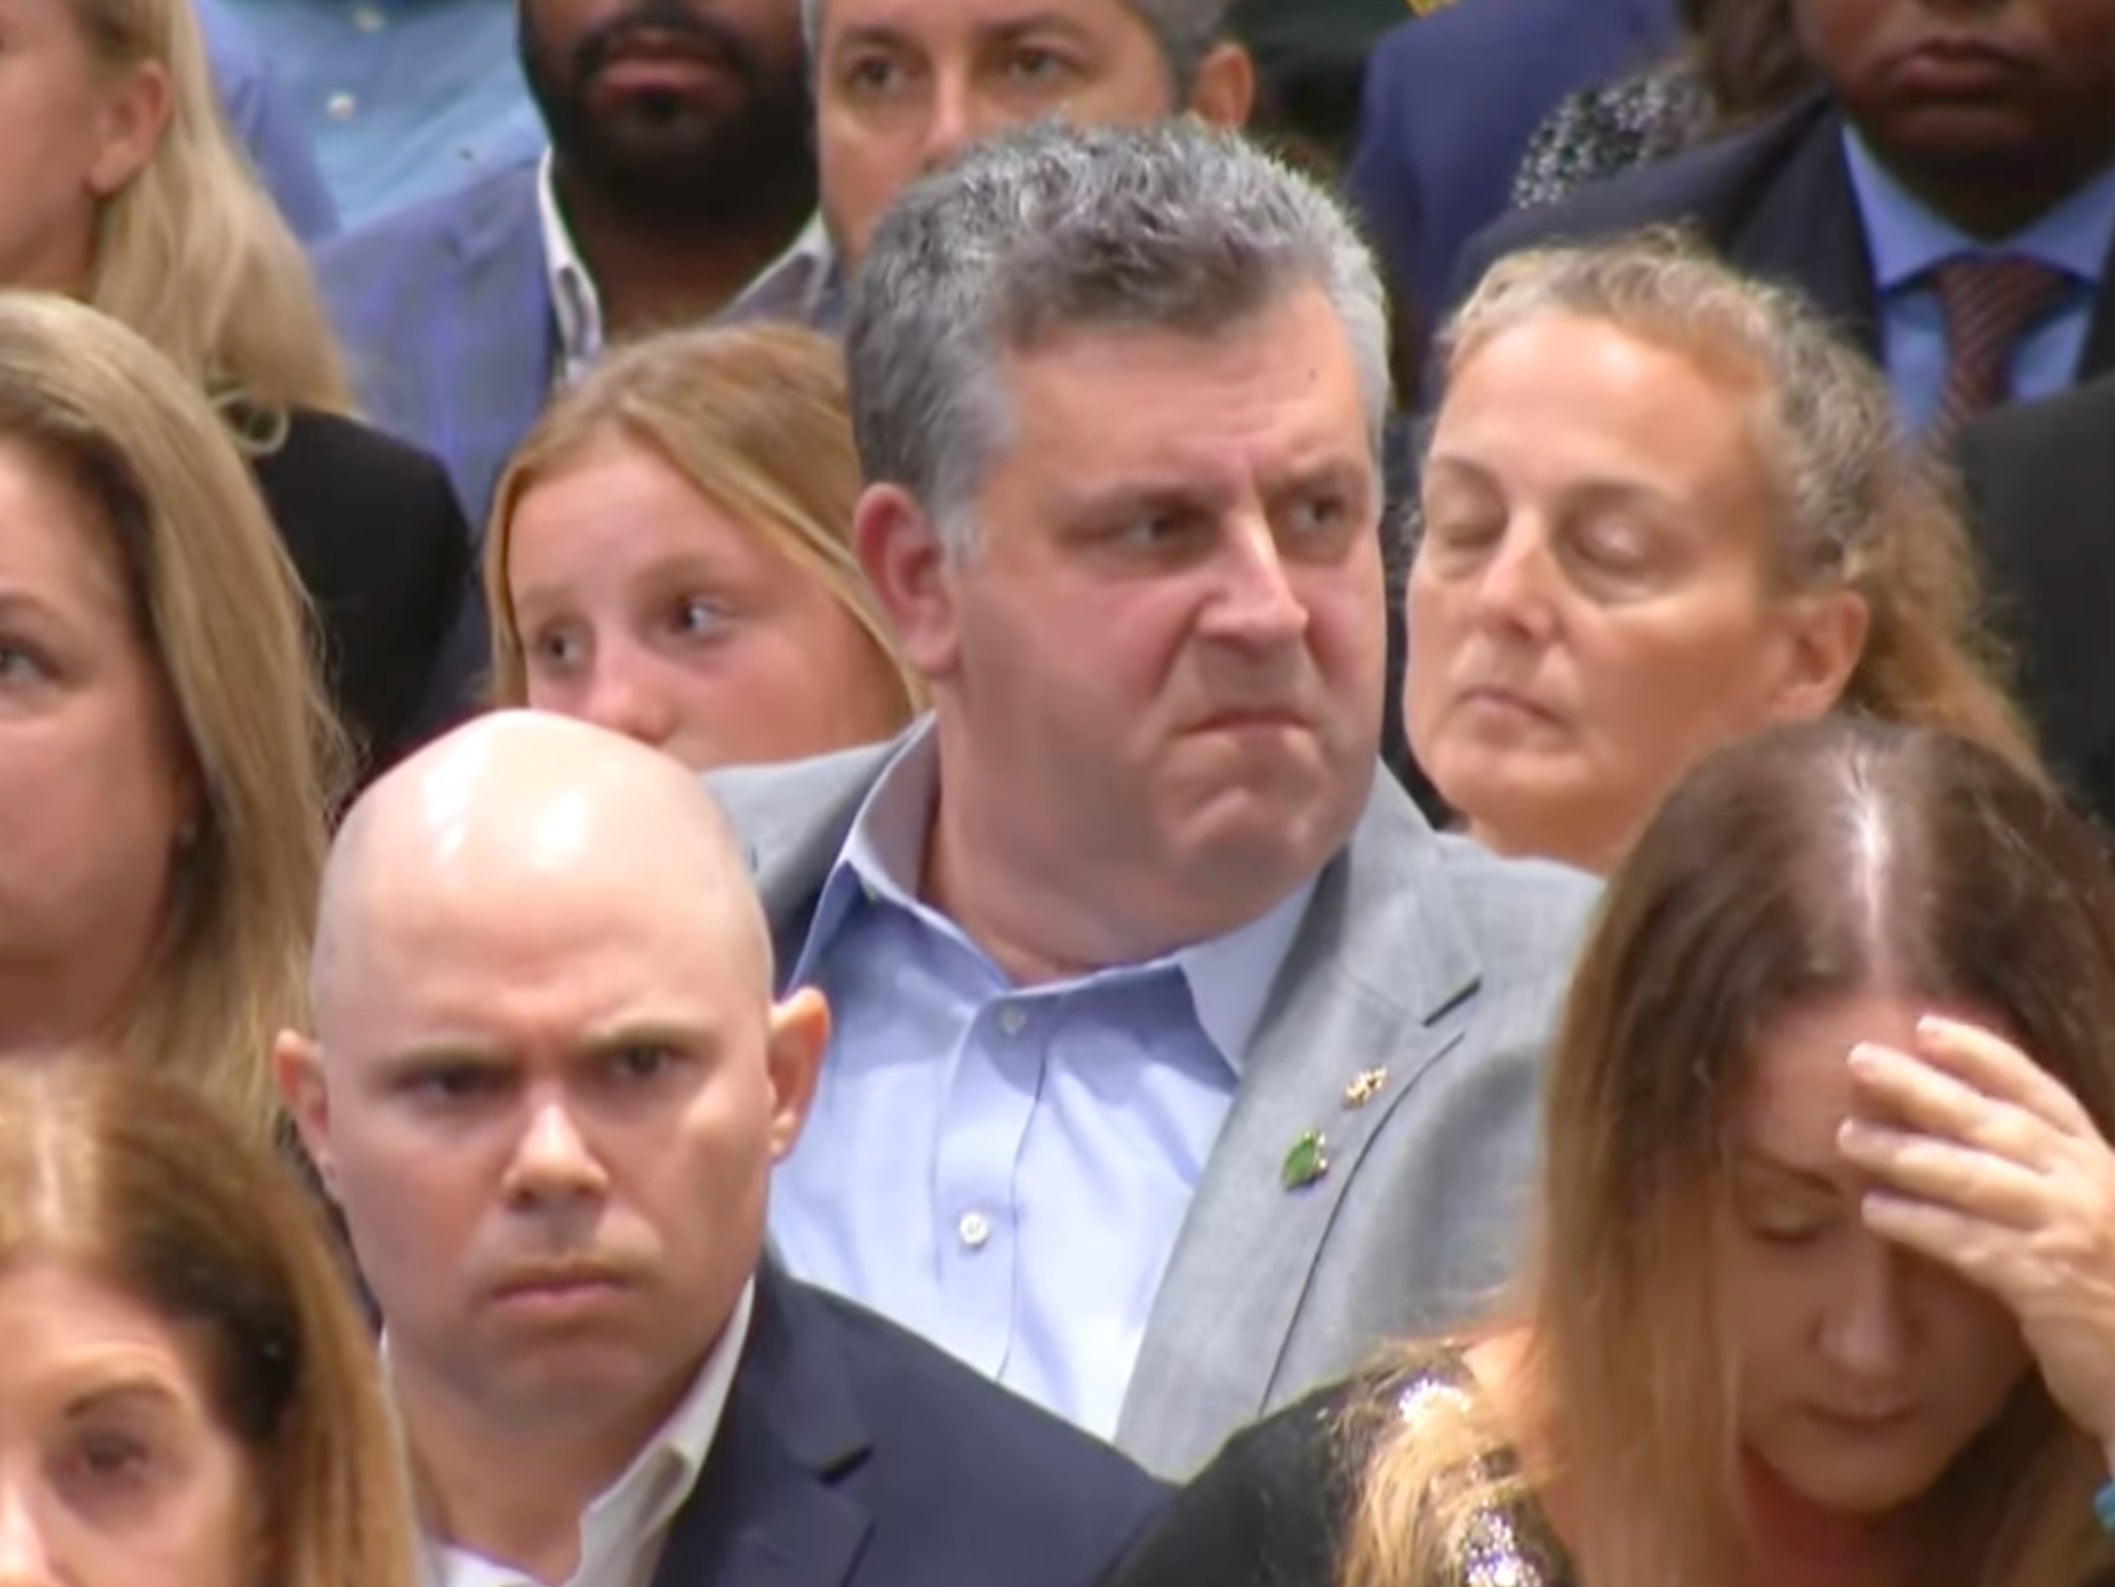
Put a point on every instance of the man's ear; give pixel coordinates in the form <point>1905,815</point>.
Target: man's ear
<point>1224,92</point>
<point>297,1071</point>
<point>130,122</point>
<point>900,549</point>
<point>799,1035</point>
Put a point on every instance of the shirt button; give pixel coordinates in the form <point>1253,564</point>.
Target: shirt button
<point>368,20</point>
<point>1011,1020</point>
<point>975,1229</point>
<point>341,107</point>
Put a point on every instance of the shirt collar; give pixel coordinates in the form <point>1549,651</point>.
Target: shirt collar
<point>639,1506</point>
<point>1908,239</point>
<point>574,300</point>
<point>1229,977</point>
<point>795,285</point>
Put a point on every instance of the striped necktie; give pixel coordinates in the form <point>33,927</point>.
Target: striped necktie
<point>1989,303</point>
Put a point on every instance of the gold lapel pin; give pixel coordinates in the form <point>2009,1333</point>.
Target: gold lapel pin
<point>1365,1087</point>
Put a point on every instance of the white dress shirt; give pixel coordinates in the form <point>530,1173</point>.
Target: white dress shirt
<point>622,1534</point>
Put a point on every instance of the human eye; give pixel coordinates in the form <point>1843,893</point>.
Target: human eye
<point>1318,515</point>
<point>450,1084</point>
<point>1038,66</point>
<point>558,648</point>
<point>641,1062</point>
<point>695,617</point>
<point>106,1466</point>
<point>1618,544</point>
<point>22,665</point>
<point>873,74</point>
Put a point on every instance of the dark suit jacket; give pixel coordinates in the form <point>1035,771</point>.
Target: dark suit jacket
<point>1451,102</point>
<point>1776,202</point>
<point>852,1454</point>
<point>2042,479</point>
<point>375,533</point>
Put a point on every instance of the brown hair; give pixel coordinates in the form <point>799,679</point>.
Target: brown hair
<point>222,617</point>
<point>1800,865</point>
<point>755,418</point>
<point>1857,508</point>
<point>141,1185</point>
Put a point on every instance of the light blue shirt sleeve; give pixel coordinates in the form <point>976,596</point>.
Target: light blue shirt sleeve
<point>1006,1170</point>
<point>404,100</point>
<point>264,117</point>
<point>1907,240</point>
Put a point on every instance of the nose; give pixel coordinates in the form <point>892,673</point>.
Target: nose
<point>1865,1331</point>
<point>24,1559</point>
<point>1257,606</point>
<point>625,697</point>
<point>1513,593</point>
<point>960,120</point>
<point>553,1161</point>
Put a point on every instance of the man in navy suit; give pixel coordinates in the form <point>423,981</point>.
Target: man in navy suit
<point>1949,200</point>
<point>1451,102</point>
<point>547,1088</point>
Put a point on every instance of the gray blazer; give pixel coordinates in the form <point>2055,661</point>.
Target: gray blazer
<point>1420,954</point>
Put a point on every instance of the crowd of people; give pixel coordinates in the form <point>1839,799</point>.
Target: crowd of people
<point>910,793</point>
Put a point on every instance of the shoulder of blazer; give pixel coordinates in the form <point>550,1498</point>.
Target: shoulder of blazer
<point>1710,189</point>
<point>367,467</point>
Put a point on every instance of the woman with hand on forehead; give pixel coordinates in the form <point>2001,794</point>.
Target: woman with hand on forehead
<point>1825,1286</point>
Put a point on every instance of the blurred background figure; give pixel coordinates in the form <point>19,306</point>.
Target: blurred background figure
<point>670,556</point>
<point>126,191</point>
<point>1665,506</point>
<point>1947,198</point>
<point>1738,61</point>
<point>1828,1225</point>
<point>2041,476</point>
<point>187,1397</point>
<point>402,100</point>
<point>167,759</point>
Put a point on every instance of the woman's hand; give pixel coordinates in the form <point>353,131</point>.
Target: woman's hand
<point>1983,1163</point>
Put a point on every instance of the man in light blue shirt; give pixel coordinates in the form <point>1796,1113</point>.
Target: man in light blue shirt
<point>262,112</point>
<point>404,99</point>
<point>1177,1062</point>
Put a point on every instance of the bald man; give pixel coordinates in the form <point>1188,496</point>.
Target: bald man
<point>546,1088</point>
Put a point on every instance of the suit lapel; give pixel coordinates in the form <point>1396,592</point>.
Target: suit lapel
<point>1804,227</point>
<point>2099,355</point>
<point>1347,1000</point>
<point>769,1510</point>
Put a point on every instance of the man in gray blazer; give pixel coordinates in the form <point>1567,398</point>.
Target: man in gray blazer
<point>1177,1062</point>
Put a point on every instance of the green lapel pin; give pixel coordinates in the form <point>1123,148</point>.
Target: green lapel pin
<point>1307,1162</point>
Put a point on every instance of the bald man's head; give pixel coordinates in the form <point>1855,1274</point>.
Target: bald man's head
<point>546,1054</point>
<point>512,804</point>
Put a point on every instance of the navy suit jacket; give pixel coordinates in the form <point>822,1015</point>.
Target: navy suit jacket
<point>1776,202</point>
<point>853,1454</point>
<point>1451,102</point>
<point>445,311</point>
<point>2042,478</point>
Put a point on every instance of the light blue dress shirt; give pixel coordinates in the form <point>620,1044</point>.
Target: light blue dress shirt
<point>1005,1171</point>
<point>1907,240</point>
<point>262,112</point>
<point>404,99</point>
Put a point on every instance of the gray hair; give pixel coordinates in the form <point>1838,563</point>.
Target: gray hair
<point>1186,30</point>
<point>1828,435</point>
<point>1171,227</point>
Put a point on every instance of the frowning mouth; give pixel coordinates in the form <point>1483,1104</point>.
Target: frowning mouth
<point>1959,65</point>
<point>1486,697</point>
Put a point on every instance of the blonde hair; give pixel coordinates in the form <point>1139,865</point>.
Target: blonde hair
<point>140,1185</point>
<point>221,614</point>
<point>1857,509</point>
<point>1753,892</point>
<point>756,419</point>
<point>193,254</point>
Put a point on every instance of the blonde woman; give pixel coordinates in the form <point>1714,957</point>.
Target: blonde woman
<point>125,190</point>
<point>1826,1285</point>
<point>669,556</point>
<point>166,755</point>
<point>187,1397</point>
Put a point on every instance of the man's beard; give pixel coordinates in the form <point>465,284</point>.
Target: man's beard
<point>666,160</point>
